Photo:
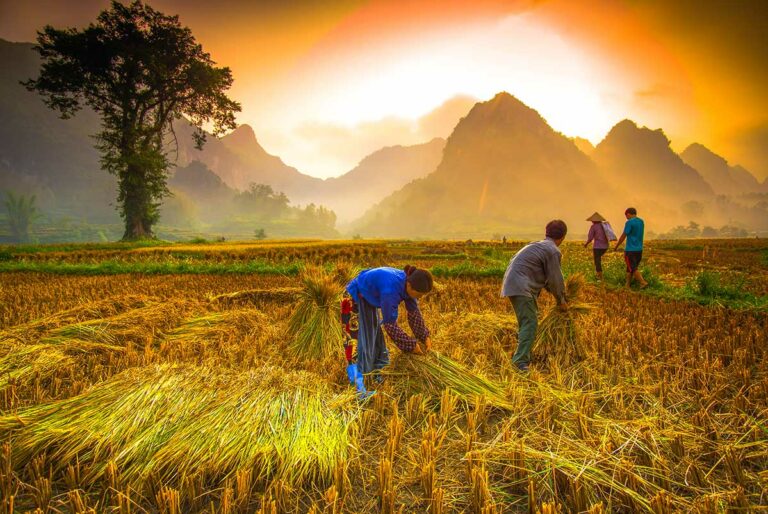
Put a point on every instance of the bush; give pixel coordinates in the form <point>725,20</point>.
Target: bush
<point>712,284</point>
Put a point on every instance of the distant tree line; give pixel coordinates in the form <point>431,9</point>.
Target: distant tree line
<point>262,203</point>
<point>694,230</point>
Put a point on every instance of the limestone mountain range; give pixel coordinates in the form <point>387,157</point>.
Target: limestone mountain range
<point>502,170</point>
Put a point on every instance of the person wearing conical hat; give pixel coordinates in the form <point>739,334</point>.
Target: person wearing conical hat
<point>598,236</point>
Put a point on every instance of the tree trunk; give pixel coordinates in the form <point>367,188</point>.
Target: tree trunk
<point>137,205</point>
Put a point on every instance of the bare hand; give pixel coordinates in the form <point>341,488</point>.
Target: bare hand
<point>563,307</point>
<point>428,344</point>
<point>417,350</point>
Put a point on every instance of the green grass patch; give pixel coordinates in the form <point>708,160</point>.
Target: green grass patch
<point>441,256</point>
<point>713,288</point>
<point>152,268</point>
<point>499,254</point>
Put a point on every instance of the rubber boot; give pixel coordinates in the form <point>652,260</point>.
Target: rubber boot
<point>356,379</point>
<point>351,373</point>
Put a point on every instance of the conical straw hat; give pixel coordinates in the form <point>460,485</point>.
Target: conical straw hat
<point>596,217</point>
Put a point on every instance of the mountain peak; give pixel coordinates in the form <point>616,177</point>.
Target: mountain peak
<point>507,105</point>
<point>642,157</point>
<point>723,178</point>
<point>700,153</point>
<point>242,135</point>
<point>503,113</point>
<point>628,132</point>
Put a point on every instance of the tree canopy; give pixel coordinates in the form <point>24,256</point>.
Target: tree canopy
<point>141,71</point>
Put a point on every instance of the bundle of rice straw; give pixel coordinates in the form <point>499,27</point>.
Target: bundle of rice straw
<point>482,327</point>
<point>432,373</point>
<point>31,331</point>
<point>167,422</point>
<point>345,271</point>
<point>135,326</point>
<point>217,327</point>
<point>25,363</point>
<point>274,294</point>
<point>235,336</point>
<point>558,336</point>
<point>315,325</point>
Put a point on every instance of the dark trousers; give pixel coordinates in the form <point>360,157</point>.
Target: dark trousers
<point>598,253</point>
<point>372,352</point>
<point>527,312</point>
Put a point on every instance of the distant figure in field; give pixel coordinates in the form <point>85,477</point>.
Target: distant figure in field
<point>600,235</point>
<point>382,289</point>
<point>535,267</point>
<point>634,229</point>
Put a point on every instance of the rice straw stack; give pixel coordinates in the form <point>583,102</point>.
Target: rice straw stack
<point>432,373</point>
<point>558,335</point>
<point>315,325</point>
<point>168,422</point>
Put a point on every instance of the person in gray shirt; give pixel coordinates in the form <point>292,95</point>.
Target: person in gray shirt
<point>535,267</point>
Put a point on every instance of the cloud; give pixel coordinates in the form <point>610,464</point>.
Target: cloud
<point>328,149</point>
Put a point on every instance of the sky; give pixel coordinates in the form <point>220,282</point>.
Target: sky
<point>324,84</point>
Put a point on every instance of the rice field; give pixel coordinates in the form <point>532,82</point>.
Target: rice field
<point>221,392</point>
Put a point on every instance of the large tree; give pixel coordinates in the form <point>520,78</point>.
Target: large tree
<point>140,70</point>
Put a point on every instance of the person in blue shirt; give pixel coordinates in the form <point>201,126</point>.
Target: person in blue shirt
<point>382,289</point>
<point>634,230</point>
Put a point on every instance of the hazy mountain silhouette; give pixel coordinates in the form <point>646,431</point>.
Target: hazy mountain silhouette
<point>44,155</point>
<point>724,179</point>
<point>211,196</point>
<point>642,162</point>
<point>240,160</point>
<point>378,175</point>
<point>55,159</point>
<point>503,169</point>
<point>584,145</point>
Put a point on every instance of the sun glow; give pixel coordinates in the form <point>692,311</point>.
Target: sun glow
<point>514,54</point>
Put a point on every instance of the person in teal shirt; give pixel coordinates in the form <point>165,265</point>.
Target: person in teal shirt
<point>634,229</point>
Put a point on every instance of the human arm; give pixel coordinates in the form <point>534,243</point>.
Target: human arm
<point>590,236</point>
<point>555,281</point>
<point>621,240</point>
<point>389,310</point>
<point>401,339</point>
<point>416,321</point>
<point>419,328</point>
<point>626,232</point>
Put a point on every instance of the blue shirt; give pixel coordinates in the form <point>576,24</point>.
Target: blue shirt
<point>383,288</point>
<point>634,229</point>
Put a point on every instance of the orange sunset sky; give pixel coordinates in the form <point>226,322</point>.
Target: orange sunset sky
<point>325,83</point>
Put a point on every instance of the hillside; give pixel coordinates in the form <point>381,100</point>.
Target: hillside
<point>642,162</point>
<point>504,170</point>
<point>724,178</point>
